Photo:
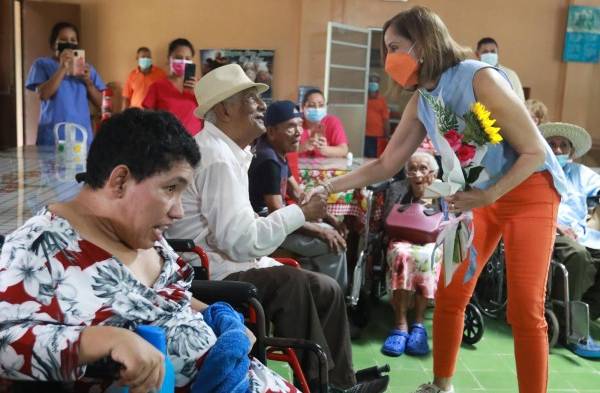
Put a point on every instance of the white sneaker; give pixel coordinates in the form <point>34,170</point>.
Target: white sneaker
<point>431,388</point>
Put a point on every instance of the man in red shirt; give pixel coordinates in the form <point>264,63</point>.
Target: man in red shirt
<point>378,114</point>
<point>140,79</point>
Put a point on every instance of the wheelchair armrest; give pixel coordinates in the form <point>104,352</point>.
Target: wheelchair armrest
<point>234,292</point>
<point>379,187</point>
<point>188,246</point>
<point>298,343</point>
<point>103,369</point>
<point>182,245</point>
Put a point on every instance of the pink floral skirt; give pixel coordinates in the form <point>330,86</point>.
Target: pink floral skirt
<point>409,267</point>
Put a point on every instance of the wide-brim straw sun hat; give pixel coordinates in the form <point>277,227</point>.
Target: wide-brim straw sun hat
<point>578,136</point>
<point>220,84</point>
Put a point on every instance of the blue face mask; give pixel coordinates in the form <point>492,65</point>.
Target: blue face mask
<point>145,62</point>
<point>373,87</point>
<point>563,159</point>
<point>315,115</point>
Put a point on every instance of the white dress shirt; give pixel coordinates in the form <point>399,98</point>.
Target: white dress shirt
<point>573,210</point>
<point>218,215</point>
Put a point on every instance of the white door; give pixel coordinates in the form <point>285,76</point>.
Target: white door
<point>346,79</point>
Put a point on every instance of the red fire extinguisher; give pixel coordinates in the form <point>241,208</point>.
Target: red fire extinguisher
<point>107,107</point>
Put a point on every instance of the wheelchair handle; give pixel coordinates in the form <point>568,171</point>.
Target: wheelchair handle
<point>379,187</point>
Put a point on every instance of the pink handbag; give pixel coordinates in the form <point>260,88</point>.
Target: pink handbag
<point>414,223</point>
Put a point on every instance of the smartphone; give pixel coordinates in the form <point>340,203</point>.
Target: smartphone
<point>78,62</point>
<point>190,71</point>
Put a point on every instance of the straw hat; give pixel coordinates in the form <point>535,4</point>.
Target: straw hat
<point>220,84</point>
<point>579,137</point>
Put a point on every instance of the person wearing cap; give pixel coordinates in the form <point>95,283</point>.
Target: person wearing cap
<point>219,217</point>
<point>577,245</point>
<point>318,247</point>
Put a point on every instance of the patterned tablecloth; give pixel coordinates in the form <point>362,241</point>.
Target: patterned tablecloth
<point>31,178</point>
<point>352,202</point>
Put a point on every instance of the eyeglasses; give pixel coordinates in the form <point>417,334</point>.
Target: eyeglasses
<point>424,171</point>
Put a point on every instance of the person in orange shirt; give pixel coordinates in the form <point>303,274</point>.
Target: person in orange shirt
<point>140,79</point>
<point>378,114</point>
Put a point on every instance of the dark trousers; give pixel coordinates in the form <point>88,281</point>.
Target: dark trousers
<point>303,304</point>
<point>583,265</point>
<point>370,149</point>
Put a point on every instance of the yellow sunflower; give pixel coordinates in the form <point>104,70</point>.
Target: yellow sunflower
<point>486,122</point>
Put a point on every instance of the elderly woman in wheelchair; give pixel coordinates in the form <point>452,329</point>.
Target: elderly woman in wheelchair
<point>577,245</point>
<point>78,277</point>
<point>411,273</point>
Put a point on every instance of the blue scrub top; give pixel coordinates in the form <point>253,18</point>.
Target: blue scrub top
<point>68,104</point>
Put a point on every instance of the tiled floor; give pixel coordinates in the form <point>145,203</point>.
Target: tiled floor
<point>486,367</point>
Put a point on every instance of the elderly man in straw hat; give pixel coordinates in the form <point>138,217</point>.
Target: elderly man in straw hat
<point>577,246</point>
<point>219,217</point>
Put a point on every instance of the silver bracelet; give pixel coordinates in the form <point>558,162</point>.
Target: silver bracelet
<point>327,186</point>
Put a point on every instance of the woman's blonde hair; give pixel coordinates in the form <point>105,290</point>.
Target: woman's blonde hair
<point>538,109</point>
<point>425,28</point>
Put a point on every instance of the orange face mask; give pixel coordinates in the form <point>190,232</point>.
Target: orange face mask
<point>402,68</point>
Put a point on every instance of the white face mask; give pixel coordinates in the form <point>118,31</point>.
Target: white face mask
<point>490,58</point>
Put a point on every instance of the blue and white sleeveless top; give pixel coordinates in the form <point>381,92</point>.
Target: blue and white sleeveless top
<point>456,90</point>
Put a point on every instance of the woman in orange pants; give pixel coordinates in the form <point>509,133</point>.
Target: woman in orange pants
<point>525,218</point>
<point>517,199</point>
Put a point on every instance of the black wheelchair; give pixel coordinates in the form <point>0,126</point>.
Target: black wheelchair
<point>369,275</point>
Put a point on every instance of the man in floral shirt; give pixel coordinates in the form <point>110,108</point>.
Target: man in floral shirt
<point>79,276</point>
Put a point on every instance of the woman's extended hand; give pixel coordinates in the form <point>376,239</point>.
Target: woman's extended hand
<point>467,200</point>
<point>317,190</point>
<point>143,365</point>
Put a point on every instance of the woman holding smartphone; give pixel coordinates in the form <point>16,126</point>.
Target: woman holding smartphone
<point>176,93</point>
<point>64,96</point>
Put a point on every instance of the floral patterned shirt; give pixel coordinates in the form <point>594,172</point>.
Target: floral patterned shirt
<point>54,284</point>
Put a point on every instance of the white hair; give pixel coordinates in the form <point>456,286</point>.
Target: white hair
<point>211,115</point>
<point>431,161</point>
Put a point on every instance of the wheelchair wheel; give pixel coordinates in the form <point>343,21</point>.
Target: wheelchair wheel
<point>553,327</point>
<point>474,326</point>
<point>490,291</point>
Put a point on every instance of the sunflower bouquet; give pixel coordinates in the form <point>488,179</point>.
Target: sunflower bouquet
<point>462,153</point>
<point>471,145</point>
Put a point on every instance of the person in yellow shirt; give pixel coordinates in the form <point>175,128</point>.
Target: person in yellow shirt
<point>140,79</point>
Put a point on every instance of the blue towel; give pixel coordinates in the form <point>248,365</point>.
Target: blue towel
<point>225,368</point>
